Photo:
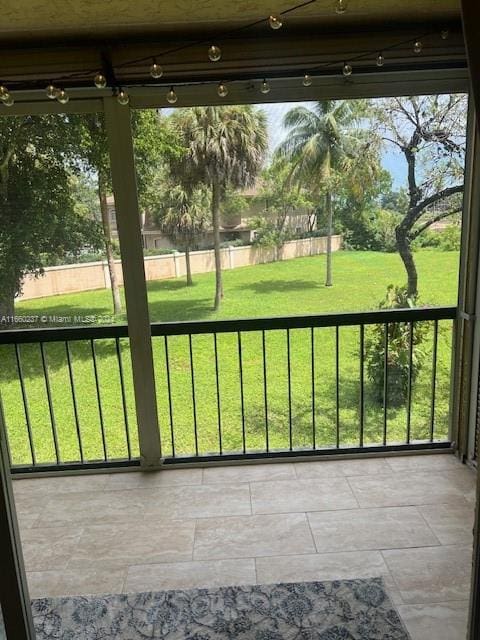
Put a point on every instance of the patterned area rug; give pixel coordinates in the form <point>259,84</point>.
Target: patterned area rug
<point>339,610</point>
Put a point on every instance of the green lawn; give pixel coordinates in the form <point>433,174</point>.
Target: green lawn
<point>284,288</point>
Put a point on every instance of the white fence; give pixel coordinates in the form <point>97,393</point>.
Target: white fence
<point>74,278</point>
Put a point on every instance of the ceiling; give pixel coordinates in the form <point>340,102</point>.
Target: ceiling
<point>23,21</point>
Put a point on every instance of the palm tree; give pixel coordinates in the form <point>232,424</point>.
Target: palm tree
<point>183,216</point>
<point>225,149</point>
<point>323,143</point>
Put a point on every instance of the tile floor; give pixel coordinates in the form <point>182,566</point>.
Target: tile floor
<point>408,519</point>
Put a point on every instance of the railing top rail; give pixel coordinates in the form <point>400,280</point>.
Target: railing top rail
<point>24,336</point>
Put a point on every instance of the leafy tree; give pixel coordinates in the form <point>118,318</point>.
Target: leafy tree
<point>280,200</point>
<point>233,206</point>
<point>225,150</point>
<point>183,216</point>
<point>430,133</point>
<point>326,146</point>
<point>38,216</point>
<point>152,142</point>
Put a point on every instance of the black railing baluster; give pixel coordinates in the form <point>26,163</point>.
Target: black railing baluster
<point>169,393</point>
<point>289,379</point>
<point>219,403</point>
<point>265,392</point>
<point>362,383</point>
<point>118,348</point>
<point>434,379</point>
<point>385,383</point>
<point>99,399</point>
<point>74,401</point>
<point>50,403</point>
<point>25,404</point>
<point>410,380</point>
<point>242,398</point>
<point>194,398</point>
<point>312,347</point>
<point>337,385</point>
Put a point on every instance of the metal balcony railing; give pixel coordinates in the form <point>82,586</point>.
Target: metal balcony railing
<point>231,389</point>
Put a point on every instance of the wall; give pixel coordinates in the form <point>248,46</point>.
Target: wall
<point>94,275</point>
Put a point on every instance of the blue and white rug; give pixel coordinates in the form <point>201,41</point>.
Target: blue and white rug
<point>338,610</point>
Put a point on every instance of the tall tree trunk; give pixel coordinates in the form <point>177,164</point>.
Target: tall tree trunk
<point>7,310</point>
<point>404,248</point>
<point>216,241</point>
<point>329,208</point>
<point>188,267</point>
<point>107,237</point>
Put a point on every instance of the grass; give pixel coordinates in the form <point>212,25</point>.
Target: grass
<point>285,288</point>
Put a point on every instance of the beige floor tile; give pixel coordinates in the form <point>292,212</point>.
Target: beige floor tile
<point>431,574</point>
<point>246,537</point>
<point>153,479</point>
<point>451,523</point>
<point>190,575</point>
<point>325,566</point>
<point>98,580</point>
<point>341,468</point>
<point>172,502</point>
<point>355,529</point>
<point>249,473</point>
<point>444,621</point>
<point>287,496</point>
<point>425,462</point>
<point>402,489</point>
<point>52,547</point>
<point>136,543</point>
<point>59,484</point>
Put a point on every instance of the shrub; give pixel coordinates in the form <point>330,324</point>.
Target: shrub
<point>398,352</point>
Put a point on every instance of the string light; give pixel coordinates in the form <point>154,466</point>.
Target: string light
<point>172,96</point>
<point>444,34</point>
<point>341,6</point>
<point>275,22</point>
<point>51,91</point>
<point>8,100</point>
<point>307,80</point>
<point>380,60</point>
<point>417,47</point>
<point>122,97</point>
<point>100,81</point>
<point>156,70</point>
<point>62,96</point>
<point>4,93</point>
<point>214,53</point>
<point>265,87</point>
<point>222,90</point>
<point>347,69</point>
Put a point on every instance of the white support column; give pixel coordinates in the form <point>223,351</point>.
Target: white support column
<point>122,164</point>
<point>14,598</point>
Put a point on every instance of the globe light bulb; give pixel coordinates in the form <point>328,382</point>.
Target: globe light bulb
<point>380,60</point>
<point>172,96</point>
<point>222,90</point>
<point>341,6</point>
<point>444,34</point>
<point>307,80</point>
<point>214,53</point>
<point>51,91</point>
<point>417,47</point>
<point>123,98</point>
<point>62,96</point>
<point>100,81</point>
<point>156,70</point>
<point>265,87</point>
<point>8,100</point>
<point>347,70</point>
<point>275,22</point>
